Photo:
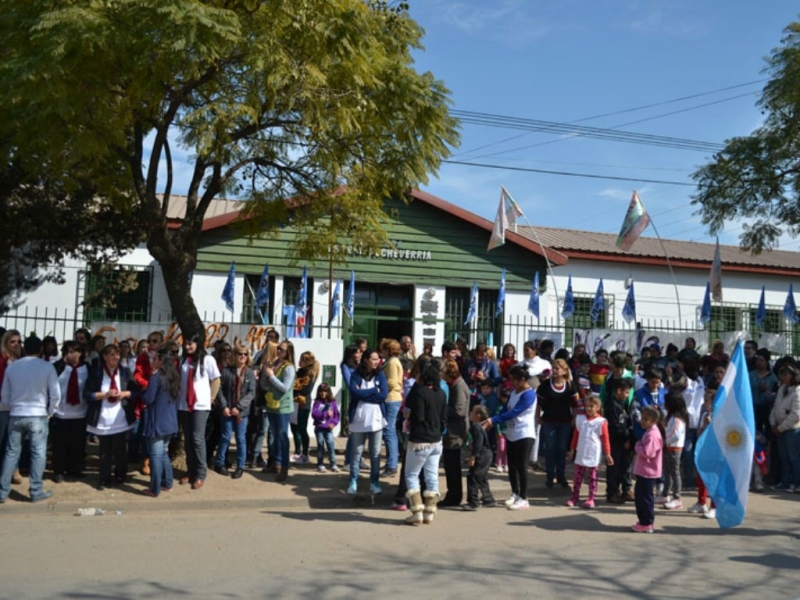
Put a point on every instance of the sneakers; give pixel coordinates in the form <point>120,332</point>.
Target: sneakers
<point>639,528</point>
<point>469,507</point>
<point>387,473</point>
<point>375,489</point>
<point>519,504</point>
<point>791,489</point>
<point>504,468</point>
<point>663,499</point>
<point>588,504</point>
<point>675,504</point>
<point>321,469</point>
<point>399,506</point>
<point>570,503</point>
<point>352,489</point>
<point>303,459</point>
<point>336,469</point>
<point>698,508</point>
<point>711,513</point>
<point>511,499</point>
<point>294,458</point>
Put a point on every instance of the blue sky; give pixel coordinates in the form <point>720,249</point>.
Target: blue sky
<point>569,60</point>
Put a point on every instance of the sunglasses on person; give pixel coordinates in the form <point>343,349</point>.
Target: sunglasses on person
<point>242,354</point>
<point>282,349</point>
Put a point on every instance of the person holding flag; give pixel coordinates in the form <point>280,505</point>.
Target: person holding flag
<point>724,451</point>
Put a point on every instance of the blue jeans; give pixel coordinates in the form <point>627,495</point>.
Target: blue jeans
<point>556,437</point>
<point>232,426</point>
<point>161,475</point>
<point>279,425</point>
<point>325,436</point>
<point>789,450</point>
<point>426,460</point>
<point>390,435</point>
<point>35,428</point>
<point>5,416</point>
<point>359,439</point>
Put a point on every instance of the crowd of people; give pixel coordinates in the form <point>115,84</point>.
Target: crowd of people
<point>641,416</point>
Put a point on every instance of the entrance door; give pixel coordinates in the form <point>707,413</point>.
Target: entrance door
<point>382,311</point>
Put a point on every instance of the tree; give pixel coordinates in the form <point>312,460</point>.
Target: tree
<point>757,177</point>
<point>315,100</point>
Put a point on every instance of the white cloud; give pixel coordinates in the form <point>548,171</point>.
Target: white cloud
<point>615,193</point>
<point>651,19</point>
<point>505,21</point>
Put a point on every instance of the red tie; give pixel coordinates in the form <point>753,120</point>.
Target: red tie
<point>73,395</point>
<point>191,397</point>
<point>113,378</point>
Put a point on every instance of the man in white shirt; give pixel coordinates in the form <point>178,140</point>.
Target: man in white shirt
<point>32,394</point>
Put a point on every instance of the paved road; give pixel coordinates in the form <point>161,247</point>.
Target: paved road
<point>253,538</point>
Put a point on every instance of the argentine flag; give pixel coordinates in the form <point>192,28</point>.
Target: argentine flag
<point>724,452</point>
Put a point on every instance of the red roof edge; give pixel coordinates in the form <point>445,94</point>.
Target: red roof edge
<point>556,258</point>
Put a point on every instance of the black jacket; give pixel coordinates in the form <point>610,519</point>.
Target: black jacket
<point>93,384</point>
<point>428,414</point>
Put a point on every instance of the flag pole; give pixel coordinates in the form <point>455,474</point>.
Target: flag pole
<point>544,253</point>
<point>253,294</point>
<point>671,272</point>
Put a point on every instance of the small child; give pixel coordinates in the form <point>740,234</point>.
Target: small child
<point>325,414</point>
<point>589,444</point>
<point>652,394</point>
<point>479,461</point>
<point>502,443</point>
<point>677,418</point>
<point>701,507</point>
<point>647,468</point>
<point>487,397</point>
<point>620,433</point>
<point>583,381</point>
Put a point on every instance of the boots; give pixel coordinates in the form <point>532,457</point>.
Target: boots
<point>431,498</point>
<point>415,506</point>
<point>146,466</point>
<point>282,474</point>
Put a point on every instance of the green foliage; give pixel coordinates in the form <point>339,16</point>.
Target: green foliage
<point>287,98</point>
<point>757,177</point>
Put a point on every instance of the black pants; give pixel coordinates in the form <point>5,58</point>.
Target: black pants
<point>213,435</point>
<point>194,436</point>
<point>645,502</point>
<point>519,453</point>
<point>113,452</point>
<point>68,437</point>
<point>618,475</point>
<point>451,457</point>
<point>478,482</point>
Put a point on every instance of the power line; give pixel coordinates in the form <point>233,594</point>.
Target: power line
<point>624,111</point>
<point>566,173</point>
<point>541,126</point>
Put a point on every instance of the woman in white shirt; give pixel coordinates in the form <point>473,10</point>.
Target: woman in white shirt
<point>109,413</point>
<point>199,384</point>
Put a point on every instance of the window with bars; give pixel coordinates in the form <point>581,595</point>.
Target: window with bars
<point>291,291</point>
<point>126,306</point>
<point>458,300</point>
<point>725,318</point>
<point>250,312</point>
<point>774,321</point>
<point>582,317</point>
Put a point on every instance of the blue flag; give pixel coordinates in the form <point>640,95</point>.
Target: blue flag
<point>705,312</point>
<point>350,306</point>
<point>473,304</point>
<point>533,301</point>
<point>569,301</point>
<point>761,313</point>
<point>229,291</point>
<point>501,295</point>
<point>262,295</point>
<point>599,304</point>
<point>629,309</point>
<point>337,302</point>
<point>724,451</point>
<point>789,307</point>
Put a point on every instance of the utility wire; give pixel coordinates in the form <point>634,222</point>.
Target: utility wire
<point>624,111</point>
<point>538,125</point>
<point>566,173</point>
